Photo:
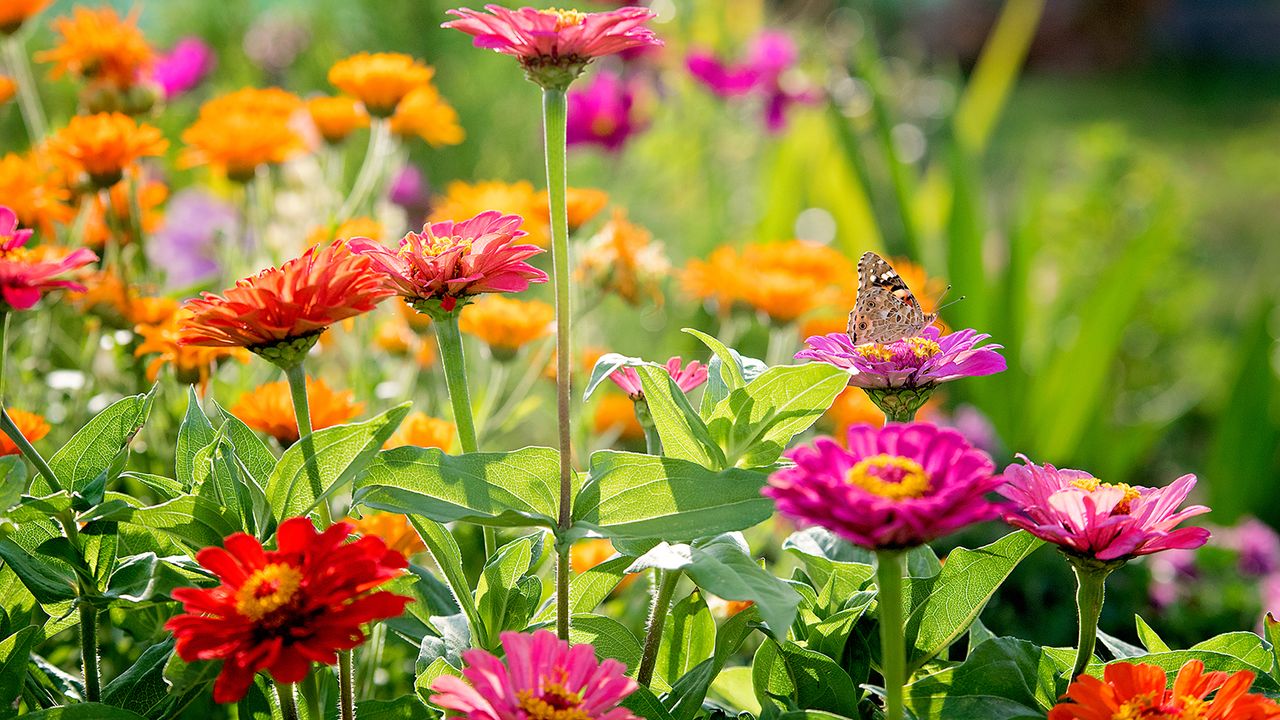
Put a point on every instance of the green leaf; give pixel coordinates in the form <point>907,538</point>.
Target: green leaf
<point>604,367</point>
<point>250,450</point>
<point>191,519</point>
<point>1172,661</point>
<point>194,432</point>
<point>957,595</point>
<point>590,588</point>
<point>832,564</point>
<point>755,423</point>
<point>1245,646</point>
<point>499,595</point>
<point>84,711</point>
<point>141,688</point>
<point>645,704</point>
<point>520,488</point>
<point>803,677</point>
<point>1272,629</point>
<point>13,481</point>
<point>636,496</point>
<point>15,653</point>
<point>1003,678</point>
<point>444,550</point>
<point>339,454</point>
<point>684,435</point>
<point>405,707</point>
<point>49,581</point>
<point>101,445</point>
<point>688,638</point>
<point>611,639</point>
<point>1149,638</point>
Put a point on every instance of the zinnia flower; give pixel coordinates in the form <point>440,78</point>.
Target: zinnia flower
<point>1129,690</point>
<point>192,364</point>
<point>184,67</point>
<point>785,280</point>
<point>280,312</point>
<point>426,115</point>
<point>15,12</point>
<point>554,46</point>
<point>543,679</point>
<point>268,409</point>
<point>422,430</point>
<point>336,118</point>
<point>1092,519</point>
<point>105,145</point>
<point>506,325</point>
<point>39,200</point>
<point>448,263</point>
<point>379,80</point>
<point>591,552</point>
<point>623,259</point>
<point>464,200</point>
<point>764,72</point>
<point>240,131</point>
<point>895,487</point>
<point>27,274</point>
<point>604,113</point>
<point>687,377</point>
<point>582,204</point>
<point>32,426</point>
<point>391,528</point>
<point>96,44</point>
<point>281,610</point>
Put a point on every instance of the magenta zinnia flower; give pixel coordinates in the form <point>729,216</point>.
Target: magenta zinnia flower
<point>894,487</point>
<point>184,67</point>
<point>451,261</point>
<point>764,72</point>
<point>687,377</point>
<point>603,113</point>
<point>543,679</point>
<point>1092,519</point>
<point>922,361</point>
<point>27,274</point>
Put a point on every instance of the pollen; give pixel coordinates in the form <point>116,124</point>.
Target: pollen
<point>566,18</point>
<point>1130,493</point>
<point>890,476</point>
<point>267,590</point>
<point>554,702</point>
<point>874,351</point>
<point>923,347</point>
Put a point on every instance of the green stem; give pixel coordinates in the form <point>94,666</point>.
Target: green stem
<point>28,100</point>
<point>370,169</point>
<point>664,584</point>
<point>900,417</point>
<point>893,662</point>
<point>297,377</point>
<point>346,687</point>
<point>89,652</point>
<point>288,705</point>
<point>454,360</point>
<point>1090,588</point>
<point>553,119</point>
<point>4,352</point>
<point>652,441</point>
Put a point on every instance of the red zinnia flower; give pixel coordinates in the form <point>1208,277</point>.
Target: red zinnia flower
<point>280,312</point>
<point>1138,691</point>
<point>25,275</point>
<point>281,610</point>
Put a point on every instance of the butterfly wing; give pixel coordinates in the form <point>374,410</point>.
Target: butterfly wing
<point>886,310</point>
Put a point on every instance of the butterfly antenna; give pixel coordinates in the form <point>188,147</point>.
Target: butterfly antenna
<point>938,306</point>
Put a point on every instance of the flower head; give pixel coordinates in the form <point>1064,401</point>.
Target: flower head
<point>449,263</point>
<point>505,324</point>
<point>280,610</point>
<point>337,117</point>
<point>1089,518</point>
<point>464,200</point>
<point>623,259</point>
<point>240,131</point>
<point>914,362</point>
<point>379,80</point>
<point>785,281</point>
<point>393,529</point>
<point>33,192</point>
<point>604,112</point>
<point>97,44</point>
<point>554,46</point>
<point>686,378</point>
<point>192,364</point>
<point>764,72</point>
<point>893,487</point>
<point>268,409</point>
<point>422,430</point>
<point>543,679</point>
<point>1129,690</point>
<point>32,426</point>
<point>105,145</point>
<point>15,12</point>
<point>425,114</point>
<point>616,415</point>
<point>288,305</point>
<point>183,68</point>
<point>27,274</point>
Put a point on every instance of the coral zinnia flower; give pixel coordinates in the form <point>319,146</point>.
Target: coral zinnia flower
<point>554,46</point>
<point>448,263</point>
<point>543,679</point>
<point>506,325</point>
<point>336,117</point>
<point>1130,690</point>
<point>425,114</point>
<point>894,487</point>
<point>15,12</point>
<point>379,80</point>
<point>268,409</point>
<point>287,306</point>
<point>105,145</point>
<point>422,430</point>
<point>26,274</point>
<point>192,364</point>
<point>687,377</point>
<point>914,362</point>
<point>37,198</point>
<point>464,200</point>
<point>98,45</point>
<point>32,426</point>
<point>240,131</point>
<point>280,610</point>
<point>393,529</point>
<point>1093,519</point>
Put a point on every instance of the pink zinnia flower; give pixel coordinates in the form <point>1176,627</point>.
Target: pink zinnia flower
<point>1092,519</point>
<point>894,487</point>
<point>452,261</point>
<point>687,378</point>
<point>543,678</point>
<point>603,113</point>
<point>922,361</point>
<point>27,274</point>
<point>764,72</point>
<point>184,67</point>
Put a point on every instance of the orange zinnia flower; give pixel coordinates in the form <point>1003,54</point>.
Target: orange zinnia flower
<point>192,364</point>
<point>268,409</point>
<point>151,195</point>
<point>32,426</point>
<point>379,80</point>
<point>422,430</point>
<point>586,554</point>
<point>623,259</point>
<point>1130,690</point>
<point>336,117</point>
<point>98,45</point>
<point>391,528</point>
<point>15,12</point>
<point>506,325</point>
<point>617,414</point>
<point>425,114</point>
<point>583,204</point>
<point>105,145</point>
<point>785,281</point>
<point>280,312</point>
<point>243,130</point>
<point>39,201</point>
<point>464,200</point>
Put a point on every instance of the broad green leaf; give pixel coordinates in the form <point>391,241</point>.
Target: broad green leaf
<point>1118,648</point>
<point>15,653</point>
<point>756,422</point>
<point>611,639</point>
<point>48,580</point>
<point>13,481</point>
<point>805,678</point>
<point>830,562</point>
<point>520,488</point>
<point>252,452</point>
<point>498,591</point>
<point>688,638</point>
<point>405,707</point>
<point>84,711</point>
<point>1272,629</point>
<point>684,435</point>
<point>957,595</point>
<point>194,432</point>
<point>339,454</point>
<point>1001,678</point>
<point>636,496</point>
<point>733,687</point>
<point>1149,637</point>
<point>723,567</point>
<point>191,519</point>
<point>646,705</point>
<point>1172,661</point>
<point>1245,646</point>
<point>604,367</point>
<point>590,588</point>
<point>437,668</point>
<point>730,370</point>
<point>101,445</point>
<point>444,550</point>
<point>141,688</point>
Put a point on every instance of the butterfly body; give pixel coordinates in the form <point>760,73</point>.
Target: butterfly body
<point>885,310</point>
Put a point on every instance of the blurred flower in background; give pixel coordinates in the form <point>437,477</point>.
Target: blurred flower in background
<point>99,45</point>
<point>192,364</point>
<point>15,12</point>
<point>335,118</point>
<point>32,426</point>
<point>184,67</point>
<point>422,430</point>
<point>240,131</point>
<point>506,324</point>
<point>767,72</point>
<point>623,259</point>
<point>7,89</point>
<point>423,114</point>
<point>379,80</point>
<point>463,200</point>
<point>196,227</point>
<point>105,145</point>
<point>268,409</point>
<point>32,190</point>
<point>605,112</point>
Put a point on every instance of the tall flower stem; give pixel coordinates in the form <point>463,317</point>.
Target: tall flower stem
<point>890,566</point>
<point>1091,580</point>
<point>454,360</point>
<point>665,582</point>
<point>370,169</point>
<point>89,652</point>
<point>15,57</point>
<point>288,706</point>
<point>553,121</point>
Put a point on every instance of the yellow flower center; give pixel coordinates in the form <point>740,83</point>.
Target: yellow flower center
<point>555,702</point>
<point>923,347</point>
<point>890,476</point>
<point>437,246</point>
<point>267,590</point>
<point>1130,494</point>
<point>18,254</point>
<point>874,351</point>
<point>566,18</point>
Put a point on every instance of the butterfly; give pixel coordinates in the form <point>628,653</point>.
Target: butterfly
<point>886,310</point>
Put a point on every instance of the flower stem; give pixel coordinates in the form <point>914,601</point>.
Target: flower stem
<point>553,119</point>
<point>370,169</point>
<point>893,663</point>
<point>1090,587</point>
<point>346,687</point>
<point>664,583</point>
<point>288,705</point>
<point>89,652</point>
<point>652,441</point>
<point>297,377</point>
<point>455,376</point>
<point>28,101</point>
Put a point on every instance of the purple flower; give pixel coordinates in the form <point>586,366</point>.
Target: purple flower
<point>764,72</point>
<point>687,377</point>
<point>894,487</point>
<point>603,112</point>
<point>409,189</point>
<point>186,247</point>
<point>1258,545</point>
<point>922,361</point>
<point>184,67</point>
